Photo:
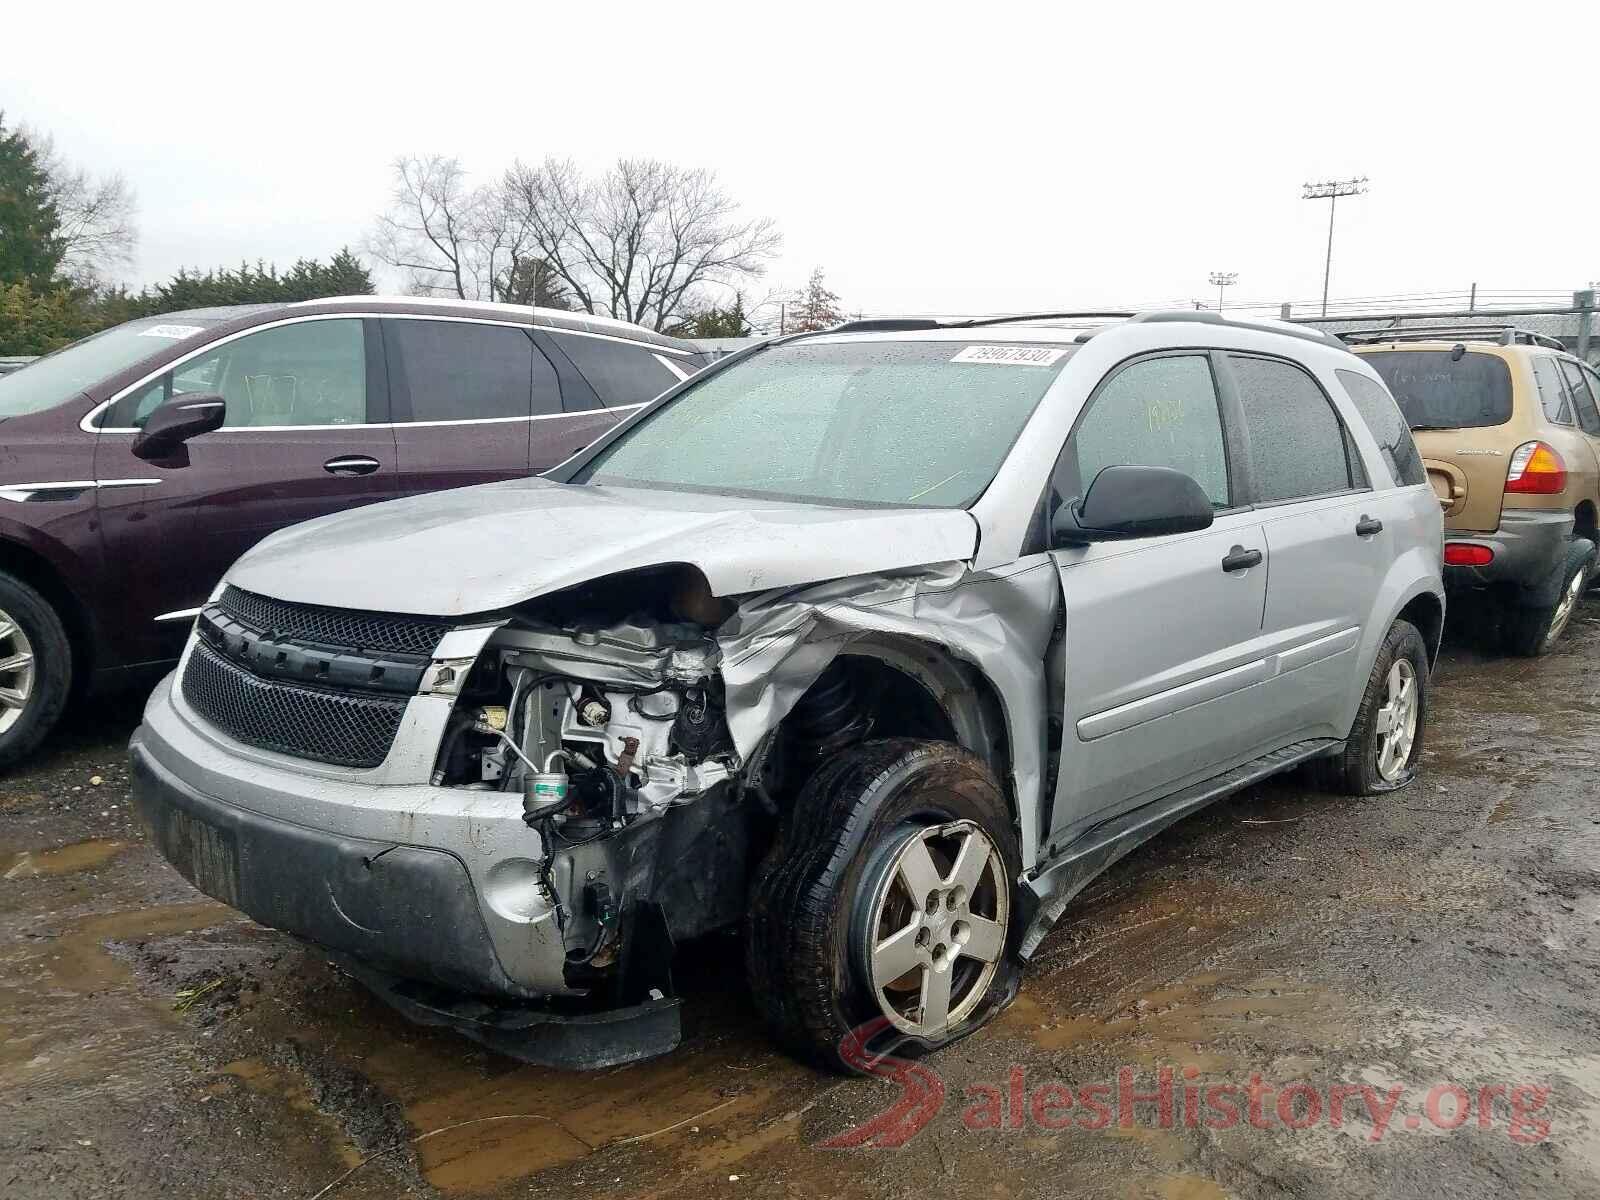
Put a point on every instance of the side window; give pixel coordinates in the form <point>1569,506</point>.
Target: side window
<point>1157,412</point>
<point>1389,428</point>
<point>461,371</point>
<point>1297,443</point>
<point>1592,378</point>
<point>1582,399</point>
<point>307,373</point>
<point>1552,394</point>
<point>621,374</point>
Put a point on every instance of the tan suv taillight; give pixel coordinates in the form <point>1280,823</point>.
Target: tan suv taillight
<point>1536,469</point>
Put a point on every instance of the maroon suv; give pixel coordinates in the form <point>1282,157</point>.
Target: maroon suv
<point>136,465</point>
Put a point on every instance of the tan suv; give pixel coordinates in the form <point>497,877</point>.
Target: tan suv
<point>1508,425</point>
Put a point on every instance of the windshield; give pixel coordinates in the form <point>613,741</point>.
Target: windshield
<point>58,377</point>
<point>1436,391</point>
<point>923,423</point>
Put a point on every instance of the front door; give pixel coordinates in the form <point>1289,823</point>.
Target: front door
<point>1162,656</point>
<point>306,433</point>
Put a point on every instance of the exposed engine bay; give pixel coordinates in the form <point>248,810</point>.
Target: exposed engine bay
<point>603,712</point>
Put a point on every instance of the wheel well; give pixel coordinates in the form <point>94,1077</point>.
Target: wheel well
<point>912,689</point>
<point>37,572</point>
<point>1585,523</point>
<point>1427,614</point>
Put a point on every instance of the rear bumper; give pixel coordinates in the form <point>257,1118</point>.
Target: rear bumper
<point>1528,547</point>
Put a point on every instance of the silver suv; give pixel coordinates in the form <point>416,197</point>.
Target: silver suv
<point>878,643</point>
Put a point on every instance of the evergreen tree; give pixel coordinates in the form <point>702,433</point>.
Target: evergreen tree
<point>31,246</point>
<point>817,307</point>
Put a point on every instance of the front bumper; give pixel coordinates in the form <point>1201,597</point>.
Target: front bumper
<point>1528,547</point>
<point>405,910</point>
<point>428,895</point>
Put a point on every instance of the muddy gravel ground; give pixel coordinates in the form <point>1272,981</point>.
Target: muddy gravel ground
<point>1392,997</point>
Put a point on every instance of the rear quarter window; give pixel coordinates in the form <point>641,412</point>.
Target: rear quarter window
<point>1436,390</point>
<point>620,373</point>
<point>1388,426</point>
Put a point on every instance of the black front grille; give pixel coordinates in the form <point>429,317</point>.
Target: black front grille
<point>347,729</point>
<point>392,633</point>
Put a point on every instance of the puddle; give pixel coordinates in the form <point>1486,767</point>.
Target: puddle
<point>47,1031</point>
<point>483,1133</point>
<point>78,856</point>
<point>292,1092</point>
<point>1184,1024</point>
<point>1188,1187</point>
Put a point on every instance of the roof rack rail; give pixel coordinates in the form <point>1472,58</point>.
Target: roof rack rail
<point>1504,335</point>
<point>886,325</point>
<point>1305,333</point>
<point>898,324</point>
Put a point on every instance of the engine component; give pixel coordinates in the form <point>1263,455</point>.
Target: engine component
<point>546,790</point>
<point>699,730</point>
<point>593,712</point>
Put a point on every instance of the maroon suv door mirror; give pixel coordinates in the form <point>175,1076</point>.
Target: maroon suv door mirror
<point>171,425</point>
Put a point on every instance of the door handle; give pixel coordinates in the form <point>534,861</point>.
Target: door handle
<point>354,464</point>
<point>1368,526</point>
<point>1239,559</point>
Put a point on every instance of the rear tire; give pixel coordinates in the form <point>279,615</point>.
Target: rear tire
<point>834,895</point>
<point>1385,743</point>
<point>1533,630</point>
<point>35,669</point>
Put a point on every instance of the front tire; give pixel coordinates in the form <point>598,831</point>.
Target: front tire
<point>35,669</point>
<point>887,903</point>
<point>1385,743</point>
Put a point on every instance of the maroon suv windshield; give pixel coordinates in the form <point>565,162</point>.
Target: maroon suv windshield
<point>56,378</point>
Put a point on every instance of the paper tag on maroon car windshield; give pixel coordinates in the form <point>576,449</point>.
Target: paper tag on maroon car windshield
<point>1011,356</point>
<point>171,331</point>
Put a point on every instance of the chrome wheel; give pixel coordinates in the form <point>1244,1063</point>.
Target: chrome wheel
<point>1567,606</point>
<point>1397,720</point>
<point>936,927</point>
<point>16,672</point>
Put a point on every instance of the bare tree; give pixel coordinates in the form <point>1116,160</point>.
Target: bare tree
<point>642,242</point>
<point>431,227</point>
<point>97,215</point>
<point>452,239</point>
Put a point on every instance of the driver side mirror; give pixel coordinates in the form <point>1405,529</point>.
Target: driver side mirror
<point>171,425</point>
<point>1133,502</point>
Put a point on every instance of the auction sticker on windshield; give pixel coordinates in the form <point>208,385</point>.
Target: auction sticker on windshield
<point>1011,356</point>
<point>171,331</point>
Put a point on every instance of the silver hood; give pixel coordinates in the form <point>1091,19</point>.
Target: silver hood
<point>482,548</point>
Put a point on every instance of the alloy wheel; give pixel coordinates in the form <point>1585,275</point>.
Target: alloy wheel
<point>16,672</point>
<point>1567,606</point>
<point>936,927</point>
<point>1397,720</point>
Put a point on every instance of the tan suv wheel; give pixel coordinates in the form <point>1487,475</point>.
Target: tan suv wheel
<point>1532,630</point>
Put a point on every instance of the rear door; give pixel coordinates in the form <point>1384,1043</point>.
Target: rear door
<point>465,393</point>
<point>1162,654</point>
<point>1329,537</point>
<point>306,433</point>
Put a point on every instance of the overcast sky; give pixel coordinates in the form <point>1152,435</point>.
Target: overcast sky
<point>974,157</point>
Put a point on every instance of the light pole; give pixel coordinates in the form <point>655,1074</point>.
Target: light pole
<point>1330,190</point>
<point>1223,279</point>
